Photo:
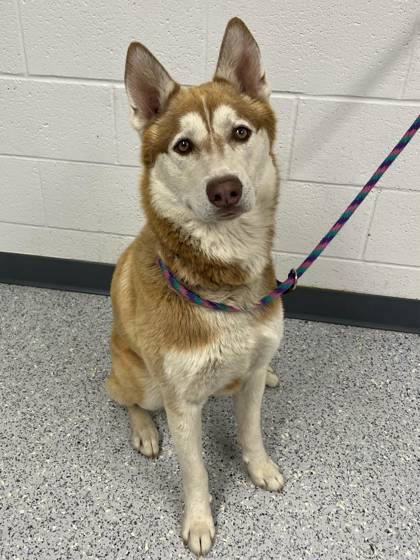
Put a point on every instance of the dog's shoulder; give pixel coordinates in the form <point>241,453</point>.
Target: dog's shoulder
<point>157,318</point>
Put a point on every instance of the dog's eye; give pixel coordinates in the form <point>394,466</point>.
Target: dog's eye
<point>241,133</point>
<point>184,146</point>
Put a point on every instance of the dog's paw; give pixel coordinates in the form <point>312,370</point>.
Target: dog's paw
<point>265,474</point>
<point>271,379</point>
<point>198,532</point>
<point>145,439</point>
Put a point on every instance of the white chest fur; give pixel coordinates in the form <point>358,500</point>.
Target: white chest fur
<point>242,345</point>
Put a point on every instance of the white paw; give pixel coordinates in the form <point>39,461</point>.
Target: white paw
<point>265,474</point>
<point>198,531</point>
<point>272,379</point>
<point>146,440</point>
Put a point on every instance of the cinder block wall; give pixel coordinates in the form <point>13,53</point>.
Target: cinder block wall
<point>346,84</point>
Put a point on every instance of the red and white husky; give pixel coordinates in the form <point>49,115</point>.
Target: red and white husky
<point>209,192</point>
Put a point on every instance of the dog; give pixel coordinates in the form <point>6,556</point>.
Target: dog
<point>209,191</point>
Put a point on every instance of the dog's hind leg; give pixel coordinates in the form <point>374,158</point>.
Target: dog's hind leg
<point>144,435</point>
<point>131,385</point>
<point>271,379</point>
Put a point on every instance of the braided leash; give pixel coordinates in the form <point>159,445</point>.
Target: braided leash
<point>294,274</point>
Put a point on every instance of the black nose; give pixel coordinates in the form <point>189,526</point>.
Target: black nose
<point>224,192</point>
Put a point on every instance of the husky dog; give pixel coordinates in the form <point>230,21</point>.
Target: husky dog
<point>209,191</point>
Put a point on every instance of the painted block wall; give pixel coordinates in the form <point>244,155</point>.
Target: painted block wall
<point>346,84</point>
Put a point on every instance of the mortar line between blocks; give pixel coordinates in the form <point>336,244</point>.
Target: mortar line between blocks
<point>114,113</point>
<point>347,259</point>
<point>76,161</point>
<point>350,185</point>
<point>41,186</point>
<point>292,147</point>
<point>277,253</point>
<point>22,36</point>
<point>275,93</point>
<point>295,117</point>
<point>342,98</point>
<point>55,79</point>
<point>138,167</point>
<point>60,228</point>
<point>206,50</point>
<point>324,183</point>
<point>413,40</point>
<point>371,218</point>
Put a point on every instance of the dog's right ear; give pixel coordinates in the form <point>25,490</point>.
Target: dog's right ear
<point>147,83</point>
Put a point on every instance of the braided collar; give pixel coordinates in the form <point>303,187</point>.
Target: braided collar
<point>189,295</point>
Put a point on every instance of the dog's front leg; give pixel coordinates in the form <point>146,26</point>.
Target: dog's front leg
<point>184,419</point>
<point>263,471</point>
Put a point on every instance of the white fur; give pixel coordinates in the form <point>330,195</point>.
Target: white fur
<point>240,348</point>
<point>193,127</point>
<point>225,118</point>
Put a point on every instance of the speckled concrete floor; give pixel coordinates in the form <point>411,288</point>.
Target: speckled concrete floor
<point>344,426</point>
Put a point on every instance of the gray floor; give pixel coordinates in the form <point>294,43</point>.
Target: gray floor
<point>344,426</point>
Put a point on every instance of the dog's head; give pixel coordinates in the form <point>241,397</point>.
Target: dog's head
<point>207,150</point>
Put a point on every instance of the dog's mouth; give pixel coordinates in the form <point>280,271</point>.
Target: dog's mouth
<point>229,213</point>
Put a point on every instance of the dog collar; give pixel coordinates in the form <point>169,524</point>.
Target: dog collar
<point>175,284</point>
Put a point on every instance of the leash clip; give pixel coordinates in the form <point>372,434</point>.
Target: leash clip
<point>293,275</point>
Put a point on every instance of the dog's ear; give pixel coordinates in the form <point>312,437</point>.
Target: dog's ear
<point>147,83</point>
<point>240,61</point>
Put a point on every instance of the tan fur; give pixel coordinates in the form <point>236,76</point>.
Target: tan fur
<point>165,350</point>
<point>231,388</point>
<point>150,316</point>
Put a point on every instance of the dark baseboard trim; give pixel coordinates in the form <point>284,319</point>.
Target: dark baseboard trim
<point>346,308</point>
<point>54,273</point>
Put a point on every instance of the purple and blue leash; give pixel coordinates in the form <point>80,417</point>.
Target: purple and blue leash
<point>291,281</point>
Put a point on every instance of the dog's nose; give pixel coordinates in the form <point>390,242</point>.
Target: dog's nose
<point>224,192</point>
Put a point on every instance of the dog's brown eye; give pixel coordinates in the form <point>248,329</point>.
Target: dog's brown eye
<point>241,133</point>
<point>184,146</point>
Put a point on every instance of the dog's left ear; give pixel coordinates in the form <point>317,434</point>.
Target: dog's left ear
<point>240,61</point>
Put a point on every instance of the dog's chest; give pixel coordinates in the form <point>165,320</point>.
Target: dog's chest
<point>241,345</point>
